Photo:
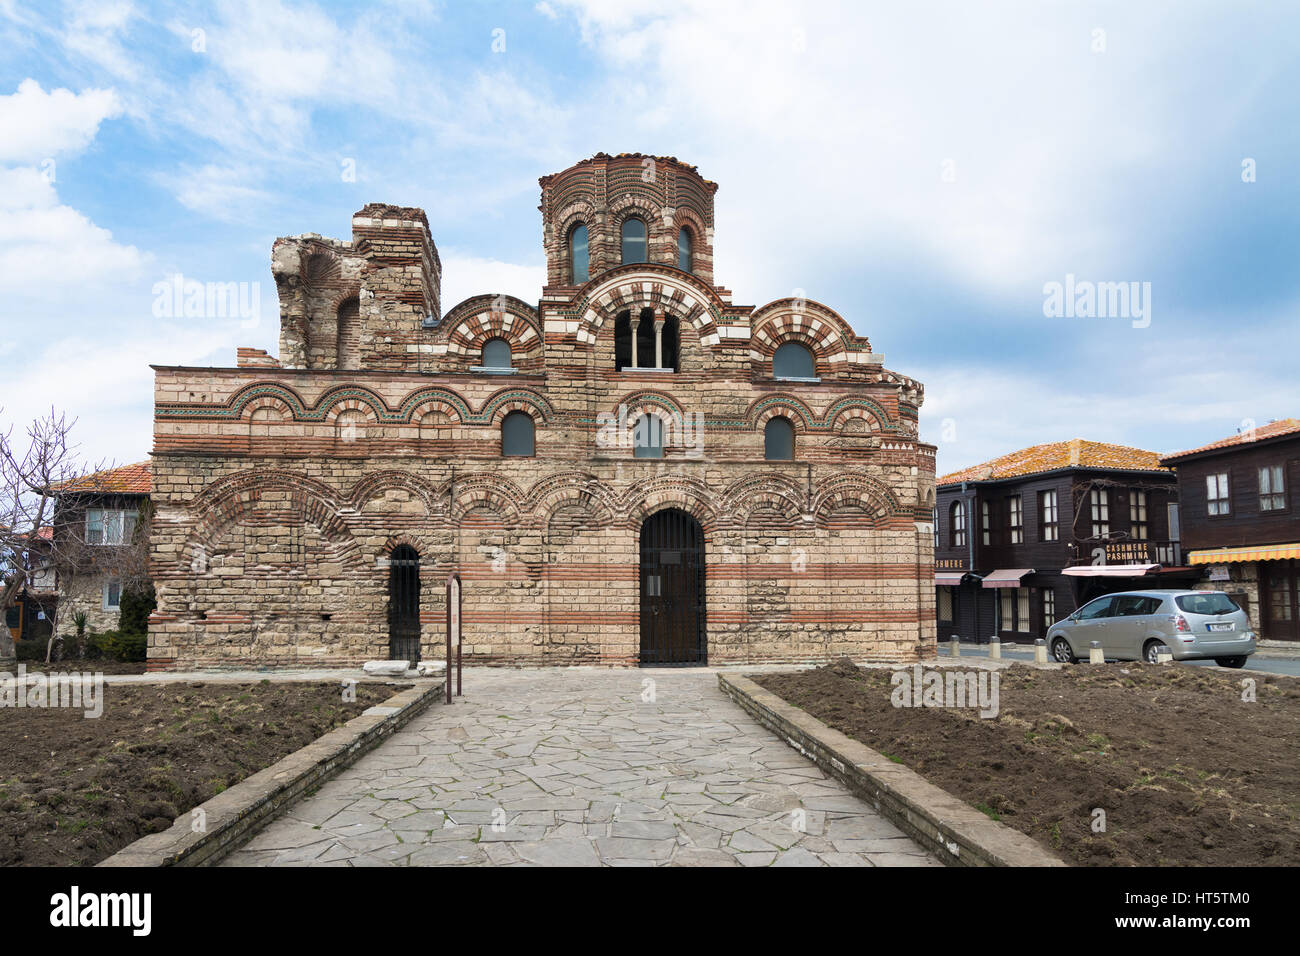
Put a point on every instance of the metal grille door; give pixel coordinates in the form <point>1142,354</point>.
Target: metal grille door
<point>672,590</point>
<point>404,605</point>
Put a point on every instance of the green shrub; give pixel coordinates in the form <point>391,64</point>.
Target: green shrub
<point>121,646</point>
<point>136,606</point>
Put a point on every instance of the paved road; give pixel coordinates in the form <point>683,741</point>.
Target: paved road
<point>1269,661</point>
<point>573,767</point>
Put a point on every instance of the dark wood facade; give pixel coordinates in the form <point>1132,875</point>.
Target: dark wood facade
<point>1251,512</point>
<point>1048,547</point>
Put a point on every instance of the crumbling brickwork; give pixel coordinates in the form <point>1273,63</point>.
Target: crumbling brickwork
<point>281,488</point>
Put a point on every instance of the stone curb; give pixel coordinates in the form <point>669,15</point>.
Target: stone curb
<point>956,833</point>
<point>233,816</point>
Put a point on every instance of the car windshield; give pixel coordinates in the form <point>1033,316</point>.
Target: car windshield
<point>1209,602</point>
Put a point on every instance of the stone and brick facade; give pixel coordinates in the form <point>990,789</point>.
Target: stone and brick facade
<point>282,487</point>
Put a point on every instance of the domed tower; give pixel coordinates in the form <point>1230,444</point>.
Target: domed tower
<point>611,210</point>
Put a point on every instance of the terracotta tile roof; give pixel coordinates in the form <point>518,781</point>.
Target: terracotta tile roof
<point>1076,453</point>
<point>1284,426</point>
<point>128,480</point>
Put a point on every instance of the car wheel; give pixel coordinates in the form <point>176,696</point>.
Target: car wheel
<point>1062,653</point>
<point>1152,649</point>
<point>1230,661</point>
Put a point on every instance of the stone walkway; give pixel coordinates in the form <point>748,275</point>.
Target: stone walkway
<point>583,767</point>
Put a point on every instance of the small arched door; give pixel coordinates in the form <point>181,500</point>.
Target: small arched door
<point>404,605</point>
<point>672,590</point>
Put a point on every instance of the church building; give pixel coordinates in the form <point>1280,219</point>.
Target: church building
<point>631,469</point>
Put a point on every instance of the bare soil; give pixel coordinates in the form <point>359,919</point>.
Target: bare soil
<point>74,790</point>
<point>1185,770</point>
<point>79,666</point>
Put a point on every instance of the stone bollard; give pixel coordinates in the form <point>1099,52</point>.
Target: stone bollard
<point>1164,657</point>
<point>1095,655</point>
<point>995,648</point>
<point>1040,651</point>
<point>954,646</point>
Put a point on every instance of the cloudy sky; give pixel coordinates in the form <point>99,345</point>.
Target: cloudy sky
<point>926,169</point>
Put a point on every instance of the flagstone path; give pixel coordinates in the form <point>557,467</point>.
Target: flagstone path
<point>583,767</point>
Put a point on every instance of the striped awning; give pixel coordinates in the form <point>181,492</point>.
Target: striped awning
<point>1263,552</point>
<point>1009,578</point>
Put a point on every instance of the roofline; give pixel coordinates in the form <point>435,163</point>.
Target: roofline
<point>1055,471</point>
<point>1227,449</point>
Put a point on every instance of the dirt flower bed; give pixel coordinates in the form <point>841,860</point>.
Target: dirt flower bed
<point>1186,772</point>
<point>74,790</point>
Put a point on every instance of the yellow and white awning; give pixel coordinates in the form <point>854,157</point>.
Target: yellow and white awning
<point>1263,552</point>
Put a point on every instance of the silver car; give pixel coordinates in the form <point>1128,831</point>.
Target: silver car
<point>1138,625</point>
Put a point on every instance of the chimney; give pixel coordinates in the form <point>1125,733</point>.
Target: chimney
<point>1076,446</point>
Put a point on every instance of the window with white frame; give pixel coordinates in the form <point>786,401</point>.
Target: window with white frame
<point>1216,493</point>
<point>1015,520</point>
<point>1049,608</point>
<point>1138,527</point>
<point>1099,499</point>
<point>1015,609</point>
<point>986,523</point>
<point>1272,491</point>
<point>1048,526</point>
<point>112,595</point>
<point>109,525</point>
<point>935,518</point>
<point>957,525</point>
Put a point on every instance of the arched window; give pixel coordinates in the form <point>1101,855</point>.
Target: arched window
<point>496,353</point>
<point>648,437</point>
<point>778,440</point>
<point>957,525</point>
<point>578,254</point>
<point>655,347</point>
<point>517,434</point>
<point>634,240</point>
<point>684,250</point>
<point>793,360</point>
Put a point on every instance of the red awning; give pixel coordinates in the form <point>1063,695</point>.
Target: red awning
<point>1006,579</point>
<point>948,579</point>
<point>1110,570</point>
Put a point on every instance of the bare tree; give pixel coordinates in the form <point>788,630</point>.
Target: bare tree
<point>33,548</point>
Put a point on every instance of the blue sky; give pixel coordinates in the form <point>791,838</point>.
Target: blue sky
<point>923,168</point>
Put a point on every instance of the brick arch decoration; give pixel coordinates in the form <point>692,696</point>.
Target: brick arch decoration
<point>837,413</point>
<point>688,218</point>
<point>646,285</point>
<point>456,413</point>
<point>224,502</point>
<point>645,206</point>
<point>485,490</point>
<point>480,318</point>
<point>875,498</point>
<point>263,403</point>
<point>692,495</point>
<point>501,403</point>
<point>370,486</point>
<point>831,339</point>
<point>567,490</point>
<point>762,410</point>
<point>749,494</point>
<point>423,545</point>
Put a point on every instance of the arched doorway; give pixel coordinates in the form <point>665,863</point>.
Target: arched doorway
<point>672,590</point>
<point>404,604</point>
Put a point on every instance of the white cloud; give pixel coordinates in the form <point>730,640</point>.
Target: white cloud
<point>36,125</point>
<point>466,276</point>
<point>226,193</point>
<point>44,245</point>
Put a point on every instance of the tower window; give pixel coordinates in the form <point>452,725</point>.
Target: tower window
<point>634,240</point>
<point>778,440</point>
<point>578,254</point>
<point>684,250</point>
<point>517,434</point>
<point>793,360</point>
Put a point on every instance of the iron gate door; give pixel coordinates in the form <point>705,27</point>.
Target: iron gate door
<point>672,590</point>
<point>404,605</point>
